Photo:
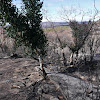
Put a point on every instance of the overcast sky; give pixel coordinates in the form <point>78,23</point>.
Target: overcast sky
<point>53,9</point>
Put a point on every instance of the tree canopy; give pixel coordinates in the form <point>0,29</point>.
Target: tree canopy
<point>80,32</point>
<point>25,25</point>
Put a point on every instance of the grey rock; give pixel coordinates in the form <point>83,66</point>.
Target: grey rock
<point>40,91</point>
<point>45,88</point>
<point>53,98</point>
<point>74,88</point>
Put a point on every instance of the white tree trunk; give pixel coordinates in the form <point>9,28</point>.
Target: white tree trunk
<point>71,58</point>
<point>42,68</point>
<point>41,63</point>
<point>64,58</point>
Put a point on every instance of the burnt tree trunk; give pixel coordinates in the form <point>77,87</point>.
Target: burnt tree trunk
<point>64,58</point>
<point>42,67</point>
<point>71,59</point>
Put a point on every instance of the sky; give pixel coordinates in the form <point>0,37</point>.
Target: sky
<point>63,10</point>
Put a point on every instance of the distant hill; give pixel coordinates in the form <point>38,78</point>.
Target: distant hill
<point>55,24</point>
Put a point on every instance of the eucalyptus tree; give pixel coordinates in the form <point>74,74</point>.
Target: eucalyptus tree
<point>25,25</point>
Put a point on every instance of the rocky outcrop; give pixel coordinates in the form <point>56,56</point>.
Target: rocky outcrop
<point>20,79</point>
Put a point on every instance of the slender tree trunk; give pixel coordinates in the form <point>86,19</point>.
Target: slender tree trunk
<point>42,68</point>
<point>71,58</point>
<point>91,53</point>
<point>64,58</point>
<point>91,57</point>
<point>76,56</point>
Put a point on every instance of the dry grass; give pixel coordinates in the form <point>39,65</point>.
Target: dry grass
<point>58,28</point>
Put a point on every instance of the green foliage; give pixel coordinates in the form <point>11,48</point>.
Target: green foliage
<point>80,32</point>
<point>25,26</point>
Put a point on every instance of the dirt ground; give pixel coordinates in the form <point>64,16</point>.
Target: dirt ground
<point>16,74</point>
<point>20,79</point>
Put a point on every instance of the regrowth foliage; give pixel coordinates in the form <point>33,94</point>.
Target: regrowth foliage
<point>80,32</point>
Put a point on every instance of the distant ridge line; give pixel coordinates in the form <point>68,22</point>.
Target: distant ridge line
<point>55,24</point>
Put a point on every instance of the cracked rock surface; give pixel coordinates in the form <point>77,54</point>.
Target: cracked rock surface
<point>20,79</point>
